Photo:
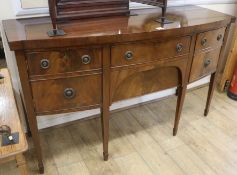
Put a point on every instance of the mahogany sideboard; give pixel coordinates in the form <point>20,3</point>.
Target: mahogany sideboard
<point>103,60</point>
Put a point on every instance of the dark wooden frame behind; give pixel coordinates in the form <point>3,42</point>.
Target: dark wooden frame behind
<point>63,11</point>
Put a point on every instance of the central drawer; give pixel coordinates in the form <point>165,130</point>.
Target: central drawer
<point>62,61</point>
<point>62,94</point>
<point>133,53</point>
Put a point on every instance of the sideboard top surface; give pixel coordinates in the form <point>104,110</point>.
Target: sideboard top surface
<point>31,33</point>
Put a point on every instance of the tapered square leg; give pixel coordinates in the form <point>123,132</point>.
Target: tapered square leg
<point>29,107</point>
<point>105,101</point>
<point>211,89</point>
<point>180,102</point>
<point>105,132</point>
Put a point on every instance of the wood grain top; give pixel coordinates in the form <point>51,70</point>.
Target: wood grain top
<point>32,33</point>
<point>9,116</point>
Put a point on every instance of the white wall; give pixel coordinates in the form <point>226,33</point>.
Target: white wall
<point>30,3</point>
<point>230,9</point>
<point>7,10</point>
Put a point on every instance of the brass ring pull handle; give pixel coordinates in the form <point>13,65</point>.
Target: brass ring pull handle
<point>44,63</point>
<point>86,59</point>
<point>69,93</point>
<point>129,55</point>
<point>4,129</point>
<point>204,42</point>
<point>219,37</point>
<point>179,47</point>
<point>207,62</point>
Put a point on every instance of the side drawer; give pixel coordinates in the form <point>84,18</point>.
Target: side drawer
<point>61,94</point>
<point>61,61</point>
<point>210,39</point>
<point>204,63</point>
<point>127,54</point>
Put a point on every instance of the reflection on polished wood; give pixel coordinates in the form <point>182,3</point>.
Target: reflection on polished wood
<point>103,60</point>
<point>31,32</point>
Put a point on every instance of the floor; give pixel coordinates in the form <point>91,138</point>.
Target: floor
<point>141,142</point>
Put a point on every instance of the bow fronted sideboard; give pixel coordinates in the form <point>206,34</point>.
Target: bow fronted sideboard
<point>103,60</point>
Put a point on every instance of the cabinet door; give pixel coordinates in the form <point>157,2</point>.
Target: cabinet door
<point>139,80</point>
